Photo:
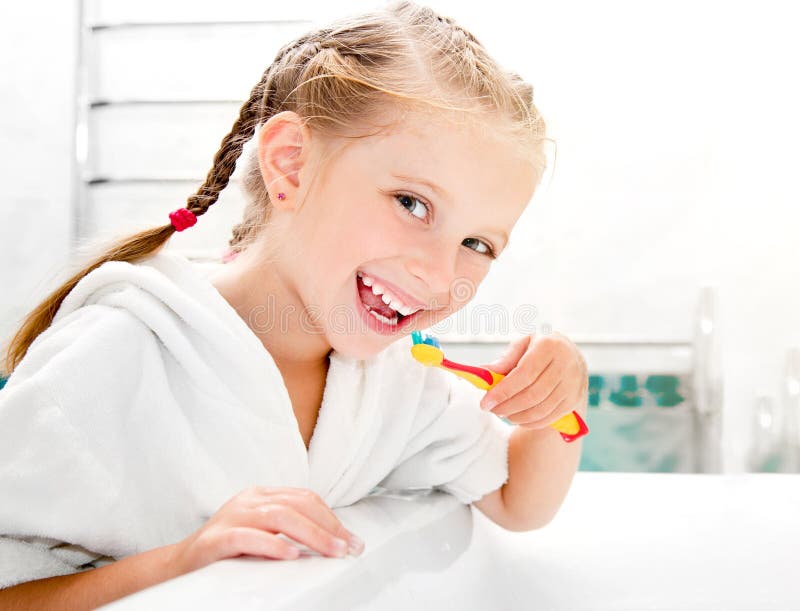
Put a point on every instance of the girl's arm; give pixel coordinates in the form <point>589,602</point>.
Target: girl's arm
<point>540,471</point>
<point>248,524</point>
<point>93,588</point>
<point>550,374</point>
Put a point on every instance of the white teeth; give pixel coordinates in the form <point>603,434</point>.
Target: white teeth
<point>383,319</point>
<point>397,306</point>
<point>387,297</point>
<point>404,310</point>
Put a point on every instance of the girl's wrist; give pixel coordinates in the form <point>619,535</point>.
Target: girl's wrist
<point>172,561</point>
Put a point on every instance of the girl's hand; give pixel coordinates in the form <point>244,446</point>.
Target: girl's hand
<point>546,379</point>
<point>249,522</point>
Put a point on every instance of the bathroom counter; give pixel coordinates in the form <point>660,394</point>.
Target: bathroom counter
<point>621,541</point>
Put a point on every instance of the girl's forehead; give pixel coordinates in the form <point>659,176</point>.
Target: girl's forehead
<point>440,146</point>
<point>431,125</point>
<point>423,140</point>
<point>468,155</point>
<point>464,164</point>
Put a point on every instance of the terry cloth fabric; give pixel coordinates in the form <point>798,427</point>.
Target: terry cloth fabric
<point>149,403</point>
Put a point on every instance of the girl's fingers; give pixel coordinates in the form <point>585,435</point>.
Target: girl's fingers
<point>532,418</point>
<point>251,522</point>
<point>254,542</point>
<point>306,502</point>
<point>533,394</point>
<point>511,356</point>
<point>535,360</point>
<point>282,518</point>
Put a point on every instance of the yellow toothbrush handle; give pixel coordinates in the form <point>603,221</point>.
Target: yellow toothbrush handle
<point>571,426</point>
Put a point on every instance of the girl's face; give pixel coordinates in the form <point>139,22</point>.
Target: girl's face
<point>422,210</point>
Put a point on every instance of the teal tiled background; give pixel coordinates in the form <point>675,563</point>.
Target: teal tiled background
<point>639,423</point>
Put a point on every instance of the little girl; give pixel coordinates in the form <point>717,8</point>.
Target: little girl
<point>159,416</point>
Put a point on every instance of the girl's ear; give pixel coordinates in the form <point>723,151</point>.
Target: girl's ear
<point>283,147</point>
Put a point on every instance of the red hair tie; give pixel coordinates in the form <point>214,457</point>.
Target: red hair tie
<point>182,218</point>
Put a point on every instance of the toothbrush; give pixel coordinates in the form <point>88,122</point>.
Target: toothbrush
<point>426,350</point>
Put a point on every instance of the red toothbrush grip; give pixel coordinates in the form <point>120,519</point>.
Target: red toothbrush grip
<point>581,431</point>
<point>481,372</point>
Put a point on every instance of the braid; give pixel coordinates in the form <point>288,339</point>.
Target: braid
<point>250,115</point>
<point>252,112</point>
<point>229,151</point>
<point>267,108</point>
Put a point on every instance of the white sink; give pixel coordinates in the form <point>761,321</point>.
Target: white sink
<point>622,541</point>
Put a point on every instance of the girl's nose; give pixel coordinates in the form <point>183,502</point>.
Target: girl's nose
<point>435,266</point>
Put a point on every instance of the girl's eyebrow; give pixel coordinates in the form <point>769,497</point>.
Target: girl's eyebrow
<point>431,185</point>
<point>444,195</point>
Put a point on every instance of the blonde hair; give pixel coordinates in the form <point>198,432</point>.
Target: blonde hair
<point>337,78</point>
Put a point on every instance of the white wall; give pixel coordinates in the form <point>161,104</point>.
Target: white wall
<point>678,131</point>
<point>37,63</point>
<point>676,125</point>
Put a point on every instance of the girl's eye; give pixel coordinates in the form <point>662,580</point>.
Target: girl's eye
<point>488,250</point>
<point>422,207</point>
<point>417,205</point>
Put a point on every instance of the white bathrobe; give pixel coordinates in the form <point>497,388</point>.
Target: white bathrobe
<point>149,403</point>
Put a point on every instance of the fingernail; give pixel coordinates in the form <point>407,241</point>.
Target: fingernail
<point>486,406</point>
<point>340,545</point>
<point>356,545</point>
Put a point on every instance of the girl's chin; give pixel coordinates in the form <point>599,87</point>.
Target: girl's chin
<point>359,347</point>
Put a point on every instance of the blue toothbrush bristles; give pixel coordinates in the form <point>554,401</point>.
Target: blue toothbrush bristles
<point>419,338</point>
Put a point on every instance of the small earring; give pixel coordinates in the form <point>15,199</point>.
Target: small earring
<point>281,195</point>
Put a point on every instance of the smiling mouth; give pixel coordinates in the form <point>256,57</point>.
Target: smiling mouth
<point>379,310</point>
